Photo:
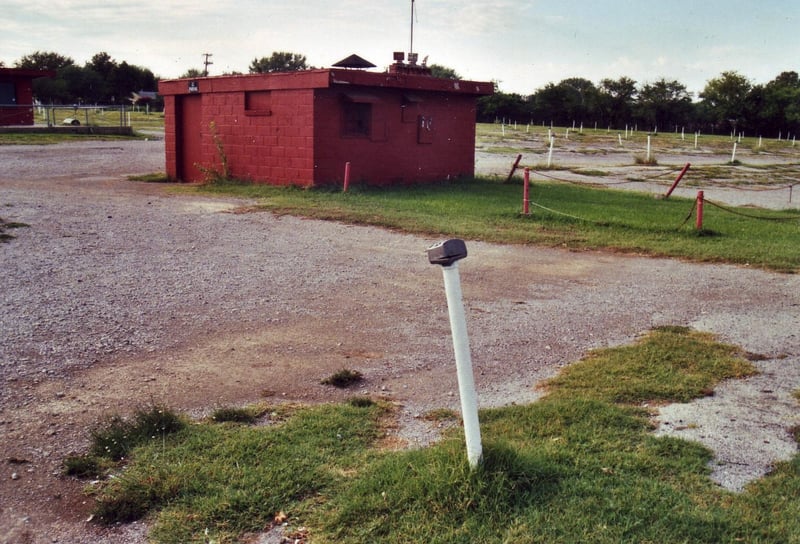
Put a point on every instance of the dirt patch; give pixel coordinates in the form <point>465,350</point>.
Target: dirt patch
<point>120,294</point>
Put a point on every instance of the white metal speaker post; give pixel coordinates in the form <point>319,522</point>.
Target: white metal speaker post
<point>447,254</point>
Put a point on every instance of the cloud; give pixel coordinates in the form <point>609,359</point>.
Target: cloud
<point>523,43</point>
<point>473,18</point>
<point>118,11</point>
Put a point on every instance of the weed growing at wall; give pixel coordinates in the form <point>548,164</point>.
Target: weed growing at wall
<point>214,174</point>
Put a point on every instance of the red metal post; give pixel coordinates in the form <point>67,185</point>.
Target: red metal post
<point>514,168</point>
<point>526,192</point>
<point>677,180</point>
<point>699,222</point>
<point>346,176</point>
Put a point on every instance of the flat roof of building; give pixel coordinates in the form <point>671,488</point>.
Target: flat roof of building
<point>322,78</point>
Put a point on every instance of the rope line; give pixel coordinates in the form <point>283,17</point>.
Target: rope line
<point>561,213</point>
<point>662,174</point>
<point>599,184</point>
<point>758,189</point>
<point>734,212</point>
<point>689,216</point>
<point>558,179</point>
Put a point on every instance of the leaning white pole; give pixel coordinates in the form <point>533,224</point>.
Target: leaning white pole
<point>466,383</point>
<point>447,254</point>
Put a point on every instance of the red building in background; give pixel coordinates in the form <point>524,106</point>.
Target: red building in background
<point>300,128</point>
<point>16,95</point>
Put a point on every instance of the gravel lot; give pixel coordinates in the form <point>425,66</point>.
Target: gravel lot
<point>120,293</point>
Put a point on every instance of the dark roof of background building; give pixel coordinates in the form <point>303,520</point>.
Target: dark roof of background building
<point>354,61</point>
<point>26,73</point>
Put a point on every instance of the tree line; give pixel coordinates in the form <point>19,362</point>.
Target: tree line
<point>101,80</point>
<point>729,103</point>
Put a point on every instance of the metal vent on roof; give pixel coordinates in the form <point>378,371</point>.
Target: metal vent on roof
<point>354,61</point>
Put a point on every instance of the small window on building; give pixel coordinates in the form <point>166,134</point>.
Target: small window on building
<point>410,107</point>
<point>356,119</point>
<point>258,102</point>
<point>8,94</point>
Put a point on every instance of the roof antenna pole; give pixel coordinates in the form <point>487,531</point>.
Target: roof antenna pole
<point>411,48</point>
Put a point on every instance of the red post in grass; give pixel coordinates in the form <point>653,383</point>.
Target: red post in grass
<point>526,192</point>
<point>677,180</point>
<point>699,222</point>
<point>346,176</point>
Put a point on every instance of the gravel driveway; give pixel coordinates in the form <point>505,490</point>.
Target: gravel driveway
<point>121,293</point>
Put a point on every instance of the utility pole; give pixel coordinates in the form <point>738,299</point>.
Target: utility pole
<point>206,62</point>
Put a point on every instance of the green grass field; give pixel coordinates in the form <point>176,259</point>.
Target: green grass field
<point>562,215</point>
<point>573,215</point>
<point>140,121</point>
<point>138,118</point>
<point>580,465</point>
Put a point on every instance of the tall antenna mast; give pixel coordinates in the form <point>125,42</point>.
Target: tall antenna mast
<point>411,48</point>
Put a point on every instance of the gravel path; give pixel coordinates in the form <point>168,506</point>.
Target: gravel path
<point>121,293</point>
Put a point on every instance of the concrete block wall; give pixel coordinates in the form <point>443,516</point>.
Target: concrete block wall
<point>272,145</point>
<point>170,140</point>
<point>301,128</point>
<point>396,152</point>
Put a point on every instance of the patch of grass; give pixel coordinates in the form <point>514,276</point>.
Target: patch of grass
<point>84,466</point>
<point>555,471</point>
<point>58,138</point>
<point>12,224</point>
<point>589,172</point>
<point>441,414</point>
<point>504,150</point>
<point>5,225</point>
<point>569,468</point>
<point>225,480</point>
<point>573,467</point>
<point>97,117</point>
<point>233,414</point>
<point>361,402</point>
<point>570,216</point>
<point>644,161</point>
<point>156,177</point>
<point>542,166</point>
<point>668,365</point>
<point>343,378</point>
<point>117,436</point>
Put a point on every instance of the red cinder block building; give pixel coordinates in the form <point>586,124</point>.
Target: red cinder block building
<point>300,128</point>
<point>16,95</point>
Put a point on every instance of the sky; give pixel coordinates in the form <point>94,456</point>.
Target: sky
<point>521,44</point>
